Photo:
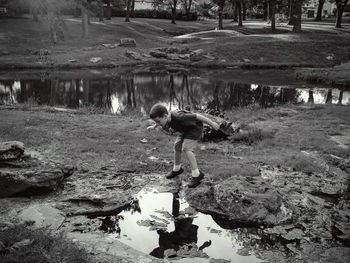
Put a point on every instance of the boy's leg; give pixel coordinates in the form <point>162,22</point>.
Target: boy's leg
<point>177,152</point>
<point>197,176</point>
<point>177,159</point>
<point>188,147</point>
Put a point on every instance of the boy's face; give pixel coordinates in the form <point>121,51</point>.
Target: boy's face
<point>161,120</point>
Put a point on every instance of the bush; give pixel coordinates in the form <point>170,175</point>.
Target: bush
<point>42,248</point>
<point>152,13</point>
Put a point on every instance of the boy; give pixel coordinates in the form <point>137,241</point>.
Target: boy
<point>190,127</point>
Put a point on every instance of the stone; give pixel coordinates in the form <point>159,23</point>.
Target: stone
<point>110,46</point>
<point>96,60</point>
<point>213,260</point>
<point>5,52</point>
<point>29,182</point>
<point>158,54</point>
<point>23,243</point>
<point>173,57</point>
<point>133,55</point>
<point>72,60</point>
<point>197,55</point>
<point>244,252</point>
<point>11,150</point>
<point>127,42</point>
<point>43,215</point>
<point>294,234</point>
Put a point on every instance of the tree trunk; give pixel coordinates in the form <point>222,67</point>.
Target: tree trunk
<point>292,12</point>
<point>100,11</point>
<point>77,12</point>
<point>272,5</point>
<point>244,10</point>
<point>319,10</point>
<point>173,11</point>
<point>340,97</point>
<point>132,8</point>
<point>265,11</point>
<point>220,19</point>
<point>127,14</point>
<point>297,14</point>
<point>235,12</point>
<point>340,9</point>
<point>108,10</point>
<point>311,97</point>
<point>35,14</point>
<point>85,21</point>
<point>329,97</point>
<point>240,23</point>
<point>188,10</point>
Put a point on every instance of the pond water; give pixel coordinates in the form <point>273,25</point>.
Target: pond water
<point>179,227</point>
<point>122,92</point>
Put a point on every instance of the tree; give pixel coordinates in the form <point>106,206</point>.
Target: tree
<point>220,4</point>
<point>272,13</point>
<point>127,14</point>
<point>173,10</point>
<point>295,16</point>
<point>319,10</point>
<point>340,9</point>
<point>187,4</point>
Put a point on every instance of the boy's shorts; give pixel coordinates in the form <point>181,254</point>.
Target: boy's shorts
<point>182,144</point>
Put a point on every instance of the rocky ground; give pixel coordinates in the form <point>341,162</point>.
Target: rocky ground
<point>286,171</point>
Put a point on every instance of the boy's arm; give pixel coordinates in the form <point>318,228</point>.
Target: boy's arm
<point>208,121</point>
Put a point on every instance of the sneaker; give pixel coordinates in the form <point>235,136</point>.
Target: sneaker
<point>173,174</point>
<point>195,181</point>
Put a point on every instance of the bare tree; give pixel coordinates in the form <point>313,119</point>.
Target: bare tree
<point>340,10</point>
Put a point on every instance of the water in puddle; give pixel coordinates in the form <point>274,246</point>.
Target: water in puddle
<point>172,227</point>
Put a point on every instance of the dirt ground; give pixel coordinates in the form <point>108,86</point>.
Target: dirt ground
<point>92,142</point>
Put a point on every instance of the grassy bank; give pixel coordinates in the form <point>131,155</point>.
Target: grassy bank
<point>256,45</point>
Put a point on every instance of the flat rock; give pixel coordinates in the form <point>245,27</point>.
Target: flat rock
<point>11,150</point>
<point>43,215</point>
<point>29,182</point>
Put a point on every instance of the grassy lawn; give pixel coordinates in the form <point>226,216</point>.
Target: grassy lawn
<point>257,43</point>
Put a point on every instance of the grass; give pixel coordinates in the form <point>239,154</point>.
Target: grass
<point>23,36</point>
<point>43,247</point>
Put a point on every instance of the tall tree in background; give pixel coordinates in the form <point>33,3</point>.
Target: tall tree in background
<point>220,4</point>
<point>340,9</point>
<point>173,4</point>
<point>187,5</point>
<point>295,15</point>
<point>108,10</point>
<point>319,10</point>
<point>128,7</point>
<point>272,13</point>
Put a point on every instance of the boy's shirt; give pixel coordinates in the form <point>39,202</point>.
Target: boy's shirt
<point>187,124</point>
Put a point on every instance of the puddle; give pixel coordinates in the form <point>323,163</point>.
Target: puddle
<point>163,224</point>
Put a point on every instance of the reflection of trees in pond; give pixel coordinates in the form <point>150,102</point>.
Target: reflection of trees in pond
<point>311,99</point>
<point>6,91</point>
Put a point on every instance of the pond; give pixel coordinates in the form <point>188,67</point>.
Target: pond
<point>163,225</point>
<point>120,92</point>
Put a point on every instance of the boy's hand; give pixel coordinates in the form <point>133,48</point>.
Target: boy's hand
<point>215,126</point>
<point>152,127</point>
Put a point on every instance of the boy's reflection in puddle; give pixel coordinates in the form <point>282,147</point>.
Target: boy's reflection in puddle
<point>185,232</point>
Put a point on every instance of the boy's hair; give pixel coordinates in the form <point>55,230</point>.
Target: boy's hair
<point>158,110</point>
